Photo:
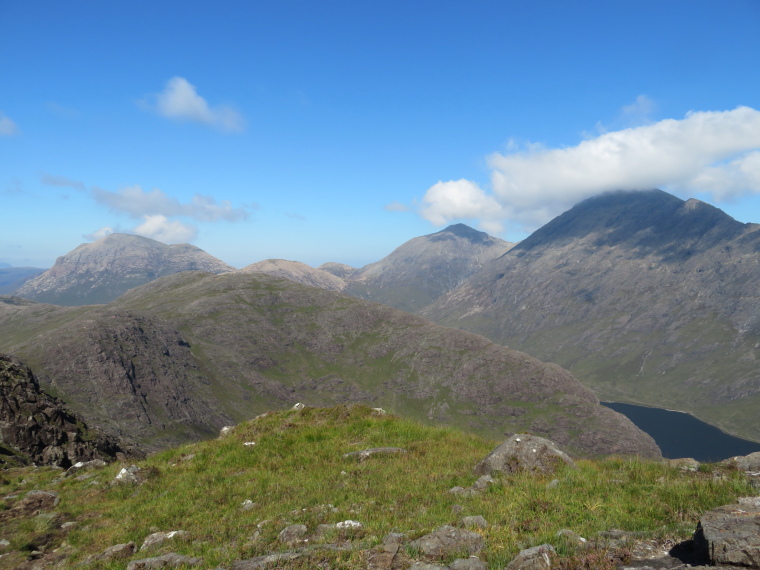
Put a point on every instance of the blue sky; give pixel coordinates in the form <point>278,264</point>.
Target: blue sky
<point>337,130</point>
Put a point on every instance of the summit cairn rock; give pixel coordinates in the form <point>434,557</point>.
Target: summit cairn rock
<point>524,452</point>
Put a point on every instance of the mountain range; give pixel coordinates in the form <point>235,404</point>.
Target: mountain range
<point>644,297</point>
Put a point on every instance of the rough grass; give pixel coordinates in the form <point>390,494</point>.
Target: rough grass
<point>296,474</point>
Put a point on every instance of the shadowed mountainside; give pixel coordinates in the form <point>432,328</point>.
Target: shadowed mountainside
<point>101,271</point>
<point>644,297</point>
<point>179,357</point>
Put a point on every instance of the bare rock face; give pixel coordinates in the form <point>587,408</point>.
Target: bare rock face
<point>730,536</point>
<point>101,271</point>
<point>524,452</point>
<point>40,427</point>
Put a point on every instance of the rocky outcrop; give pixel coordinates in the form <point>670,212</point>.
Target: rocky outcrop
<point>40,427</point>
<point>101,271</point>
<point>524,452</point>
<point>730,535</point>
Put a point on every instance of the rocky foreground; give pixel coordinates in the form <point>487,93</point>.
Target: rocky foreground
<point>383,517</point>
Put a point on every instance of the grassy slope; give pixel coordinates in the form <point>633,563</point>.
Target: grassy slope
<point>296,474</point>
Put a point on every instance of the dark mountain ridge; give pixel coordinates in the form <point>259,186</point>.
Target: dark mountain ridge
<point>645,297</point>
<point>178,357</point>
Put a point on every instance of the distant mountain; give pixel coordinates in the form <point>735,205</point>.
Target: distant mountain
<point>646,298</point>
<point>298,272</point>
<point>410,278</point>
<point>11,278</point>
<point>179,357</point>
<point>424,268</point>
<point>101,271</point>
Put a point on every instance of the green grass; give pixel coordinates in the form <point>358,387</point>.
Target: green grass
<point>296,474</point>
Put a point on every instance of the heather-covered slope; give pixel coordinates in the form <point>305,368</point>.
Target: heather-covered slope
<point>644,297</point>
<point>101,271</point>
<point>186,352</point>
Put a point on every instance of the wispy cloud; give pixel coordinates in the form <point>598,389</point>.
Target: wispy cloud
<point>137,203</point>
<point>7,127</point>
<point>396,207</point>
<point>53,180</point>
<point>716,152</point>
<point>180,101</point>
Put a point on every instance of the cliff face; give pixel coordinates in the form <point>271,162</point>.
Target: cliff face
<point>37,427</point>
<point>101,271</point>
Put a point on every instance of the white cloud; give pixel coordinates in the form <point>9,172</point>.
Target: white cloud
<point>459,199</point>
<point>7,127</point>
<point>180,101</point>
<point>53,180</point>
<point>137,203</point>
<point>99,234</point>
<point>164,230</point>
<point>711,151</point>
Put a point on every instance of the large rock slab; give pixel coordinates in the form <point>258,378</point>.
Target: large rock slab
<point>730,535</point>
<point>524,452</point>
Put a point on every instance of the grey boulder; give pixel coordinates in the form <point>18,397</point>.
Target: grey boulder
<point>524,452</point>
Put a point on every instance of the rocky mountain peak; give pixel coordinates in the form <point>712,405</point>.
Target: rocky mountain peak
<point>462,231</point>
<point>101,271</point>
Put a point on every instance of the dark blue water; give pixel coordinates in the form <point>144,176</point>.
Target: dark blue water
<point>682,435</point>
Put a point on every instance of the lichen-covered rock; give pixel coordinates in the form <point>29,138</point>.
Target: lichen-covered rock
<point>41,427</point>
<point>730,535</point>
<point>292,534</point>
<point>158,538</point>
<point>449,540</point>
<point>536,558</point>
<point>524,452</point>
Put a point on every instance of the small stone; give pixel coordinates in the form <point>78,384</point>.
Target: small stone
<point>82,465</point>
<point>426,566</point>
<point>457,509</point>
<point>476,521</point>
<point>483,483</point>
<point>292,533</point>
<point>153,540</point>
<point>249,443</point>
<point>248,505</point>
<point>349,524</point>
<point>536,558</point>
<point>552,484</point>
<point>226,430</point>
<point>128,475</point>
<point>571,537</point>
<point>298,406</point>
